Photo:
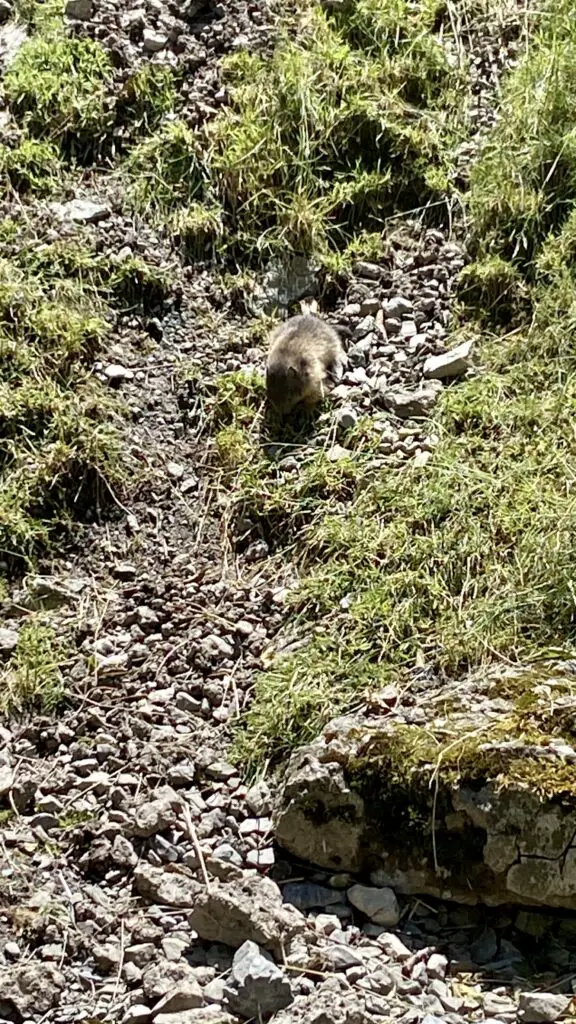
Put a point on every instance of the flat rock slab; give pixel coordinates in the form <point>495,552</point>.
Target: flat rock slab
<point>462,808</point>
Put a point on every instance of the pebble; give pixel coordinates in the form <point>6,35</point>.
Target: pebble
<point>154,41</point>
<point>347,418</point>
<point>380,905</point>
<point>453,363</point>
<point>115,373</point>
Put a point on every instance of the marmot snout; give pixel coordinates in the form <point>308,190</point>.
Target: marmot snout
<point>304,352</point>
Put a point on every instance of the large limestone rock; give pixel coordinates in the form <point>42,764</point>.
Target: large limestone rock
<point>474,804</point>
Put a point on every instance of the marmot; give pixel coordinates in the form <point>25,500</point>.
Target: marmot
<point>303,353</point>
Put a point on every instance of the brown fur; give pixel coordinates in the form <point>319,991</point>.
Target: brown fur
<point>304,352</point>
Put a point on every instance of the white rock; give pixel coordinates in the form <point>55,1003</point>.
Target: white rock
<point>257,987</point>
<point>437,966</point>
<point>542,1007</point>
<point>116,373</point>
<point>449,364</point>
<point>380,905</point>
<point>153,41</point>
<point>82,211</point>
<point>8,640</point>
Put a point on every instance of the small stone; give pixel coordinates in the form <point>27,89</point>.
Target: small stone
<point>139,1013</point>
<point>183,995</point>
<point>12,951</point>
<point>115,373</point>
<point>152,41</point>
<point>45,821</point>
<point>449,364</point>
<point>173,948</point>
<point>8,641</point>
<point>82,211</point>
<point>411,404</point>
<point>369,271</point>
<point>542,1007</point>
<point>408,330</point>
<point>437,966</point>
<point>398,307</point>
<point>227,853</point>
<point>336,453</point>
<point>80,9</point>
<point>380,905</point>
<point>338,957</point>
<point>261,859</point>
<point>370,306</point>
<point>347,418</point>
<point>156,815</point>
<point>147,618</point>
<point>189,484</point>
<point>175,470</point>
<point>124,571</point>
<point>259,798</point>
<point>256,988</point>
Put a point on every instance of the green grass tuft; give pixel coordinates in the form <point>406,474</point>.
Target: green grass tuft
<point>58,88</point>
<point>353,117</point>
<point>32,680</point>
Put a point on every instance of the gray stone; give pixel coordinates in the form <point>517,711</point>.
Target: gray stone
<point>166,888</point>
<point>408,404</point>
<point>115,373</point>
<point>157,814</point>
<point>380,905</point>
<point>82,211</point>
<point>184,995</point>
<point>31,989</point>
<point>139,1013</point>
<point>82,10</point>
<point>259,798</point>
<point>6,775</point>
<point>147,618</point>
<point>542,1007</point>
<point>339,957</point>
<point>347,418</point>
<point>251,909</point>
<point>398,307</point>
<point>256,988</point>
<point>201,1015</point>
<point>8,641</point>
<point>369,271</point>
<point>449,364</point>
<point>12,37</point>
<point>153,41</point>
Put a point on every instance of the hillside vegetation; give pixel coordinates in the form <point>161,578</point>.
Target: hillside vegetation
<point>471,558</point>
<point>356,116</point>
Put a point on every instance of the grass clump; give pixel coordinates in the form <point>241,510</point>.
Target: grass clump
<point>33,166</point>
<point>58,88</point>
<point>32,680</point>
<point>352,116</point>
<point>57,439</point>
<point>469,559</point>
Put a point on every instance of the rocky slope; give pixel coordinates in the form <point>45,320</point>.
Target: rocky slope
<point>140,881</point>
